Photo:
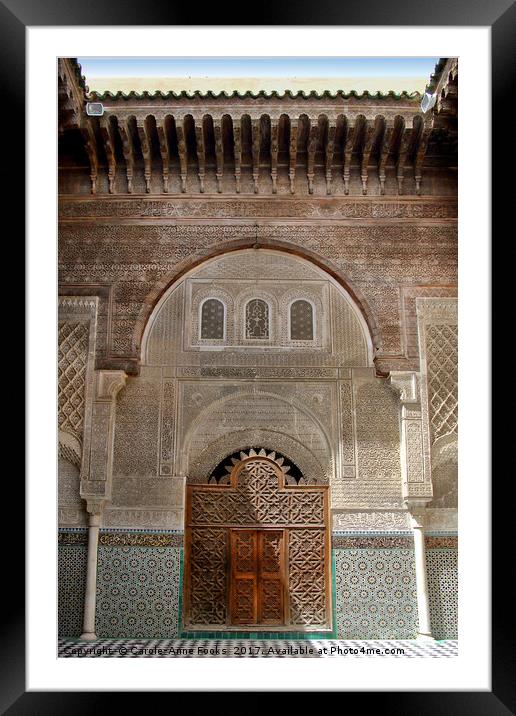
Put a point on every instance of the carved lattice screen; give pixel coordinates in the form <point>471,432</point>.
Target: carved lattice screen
<point>257,551</point>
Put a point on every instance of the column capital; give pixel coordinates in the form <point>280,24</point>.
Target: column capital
<point>416,519</point>
<point>406,383</point>
<point>108,383</point>
<point>95,510</point>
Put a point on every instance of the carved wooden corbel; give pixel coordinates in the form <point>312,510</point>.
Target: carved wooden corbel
<point>311,147</point>
<point>90,145</point>
<point>256,137</point>
<point>274,154</point>
<point>106,132</point>
<point>370,136</point>
<point>293,153</point>
<point>143,134</point>
<point>421,152</point>
<point>237,134</point>
<point>402,158</point>
<point>164,151</point>
<point>201,152</point>
<point>329,149</point>
<point>181,147</point>
<point>348,151</point>
<point>128,150</point>
<point>384,153</point>
<point>219,152</point>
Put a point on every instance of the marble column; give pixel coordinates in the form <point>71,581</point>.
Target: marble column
<point>90,596</point>
<point>423,602</point>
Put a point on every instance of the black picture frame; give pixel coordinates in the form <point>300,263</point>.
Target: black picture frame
<point>500,15</point>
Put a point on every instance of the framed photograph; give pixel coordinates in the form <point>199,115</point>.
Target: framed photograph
<point>261,361</point>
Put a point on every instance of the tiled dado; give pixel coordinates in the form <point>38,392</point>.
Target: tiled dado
<point>139,587</point>
<point>442,574</point>
<point>71,581</point>
<point>376,593</point>
<point>138,584</point>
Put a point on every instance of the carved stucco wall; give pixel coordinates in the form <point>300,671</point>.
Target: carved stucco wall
<point>438,335</point>
<point>194,404</point>
<point>384,249</point>
<point>76,353</point>
<point>391,252</point>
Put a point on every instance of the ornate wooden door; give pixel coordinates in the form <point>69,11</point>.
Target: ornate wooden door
<point>257,585</point>
<point>257,551</point>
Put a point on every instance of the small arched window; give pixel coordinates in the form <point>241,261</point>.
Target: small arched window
<point>257,319</point>
<point>301,321</point>
<point>212,319</point>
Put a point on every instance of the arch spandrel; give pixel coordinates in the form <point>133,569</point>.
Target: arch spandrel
<point>342,334</point>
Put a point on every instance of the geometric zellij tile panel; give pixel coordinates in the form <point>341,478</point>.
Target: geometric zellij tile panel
<point>71,581</point>
<point>442,565</point>
<point>375,593</point>
<point>137,591</point>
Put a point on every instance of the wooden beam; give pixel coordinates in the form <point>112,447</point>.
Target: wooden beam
<point>145,144</point>
<point>181,147</point>
<point>128,150</point>
<point>293,153</point>
<point>329,149</point>
<point>164,150</point>
<point>201,152</point>
<point>274,154</point>
<point>256,133</point>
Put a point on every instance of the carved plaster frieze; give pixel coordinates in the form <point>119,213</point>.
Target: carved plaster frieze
<point>370,521</point>
<point>322,208</point>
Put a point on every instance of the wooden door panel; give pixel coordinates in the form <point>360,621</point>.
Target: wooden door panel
<point>257,577</point>
<point>246,566</point>
<point>244,578</point>
<point>270,577</point>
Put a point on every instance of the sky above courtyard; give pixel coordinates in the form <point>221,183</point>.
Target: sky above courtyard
<point>346,73</point>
